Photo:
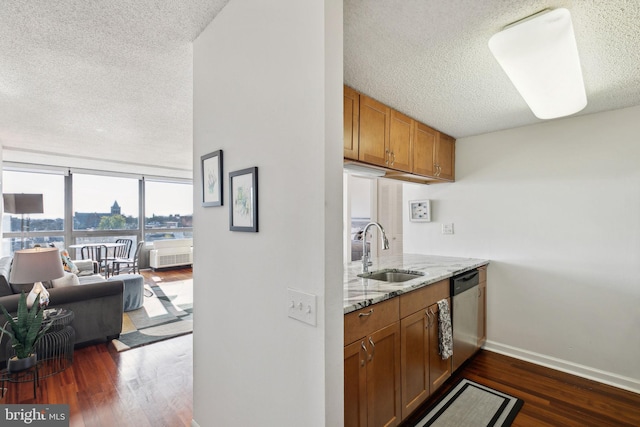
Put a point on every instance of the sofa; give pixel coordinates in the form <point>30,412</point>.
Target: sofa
<point>97,304</point>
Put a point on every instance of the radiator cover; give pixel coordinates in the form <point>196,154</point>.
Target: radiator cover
<point>168,256</point>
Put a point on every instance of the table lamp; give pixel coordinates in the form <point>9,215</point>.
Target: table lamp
<point>35,266</point>
<point>21,203</point>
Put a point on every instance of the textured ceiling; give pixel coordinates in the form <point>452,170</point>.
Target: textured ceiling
<point>100,80</point>
<point>430,60</point>
<point>108,84</point>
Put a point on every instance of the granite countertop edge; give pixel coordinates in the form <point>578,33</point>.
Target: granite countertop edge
<point>360,293</point>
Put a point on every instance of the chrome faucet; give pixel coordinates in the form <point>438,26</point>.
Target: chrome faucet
<point>366,258</point>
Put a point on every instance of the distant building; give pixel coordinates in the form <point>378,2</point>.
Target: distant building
<point>115,209</point>
<point>91,220</point>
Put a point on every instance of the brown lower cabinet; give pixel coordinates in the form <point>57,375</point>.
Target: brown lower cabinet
<point>414,361</point>
<point>390,372</point>
<point>423,370</point>
<point>372,379</point>
<point>439,368</point>
<point>372,366</point>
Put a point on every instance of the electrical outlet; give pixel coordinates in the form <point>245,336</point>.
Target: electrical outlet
<point>447,228</point>
<point>301,306</point>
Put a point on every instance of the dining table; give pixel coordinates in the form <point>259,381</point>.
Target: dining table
<point>111,247</point>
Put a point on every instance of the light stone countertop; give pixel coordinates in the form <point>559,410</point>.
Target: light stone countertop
<point>360,293</point>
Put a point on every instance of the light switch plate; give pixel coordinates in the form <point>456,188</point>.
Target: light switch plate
<point>301,306</point>
<point>447,228</point>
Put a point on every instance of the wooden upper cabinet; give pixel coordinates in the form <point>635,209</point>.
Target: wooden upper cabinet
<point>446,157</point>
<point>351,123</point>
<point>374,131</point>
<point>424,149</point>
<point>400,142</point>
<point>378,135</point>
<point>433,153</point>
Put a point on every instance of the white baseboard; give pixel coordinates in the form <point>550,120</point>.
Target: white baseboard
<point>604,377</point>
<point>194,423</point>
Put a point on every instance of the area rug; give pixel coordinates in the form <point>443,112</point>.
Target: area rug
<point>167,312</point>
<point>469,404</point>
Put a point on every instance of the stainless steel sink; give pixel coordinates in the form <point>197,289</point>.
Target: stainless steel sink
<point>391,275</point>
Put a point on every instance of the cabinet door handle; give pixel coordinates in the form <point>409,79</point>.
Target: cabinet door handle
<point>428,319</point>
<point>393,160</point>
<point>432,317</point>
<point>366,314</point>
<point>386,152</point>
<point>362,361</point>
<point>373,349</point>
<point>479,292</point>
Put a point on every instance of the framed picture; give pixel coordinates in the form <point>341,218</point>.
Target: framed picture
<point>420,210</point>
<point>243,200</point>
<point>211,166</point>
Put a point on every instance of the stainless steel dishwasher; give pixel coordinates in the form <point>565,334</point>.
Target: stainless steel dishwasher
<point>464,294</point>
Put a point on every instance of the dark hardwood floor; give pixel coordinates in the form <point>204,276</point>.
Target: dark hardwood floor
<point>148,386</point>
<point>551,398</point>
<point>152,386</point>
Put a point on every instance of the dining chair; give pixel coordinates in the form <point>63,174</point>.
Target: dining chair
<point>99,254</point>
<point>119,252</point>
<point>123,251</point>
<point>131,263</point>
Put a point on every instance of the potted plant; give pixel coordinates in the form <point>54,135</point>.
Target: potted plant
<point>25,332</point>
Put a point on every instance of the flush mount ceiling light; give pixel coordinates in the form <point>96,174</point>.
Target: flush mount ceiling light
<point>540,56</point>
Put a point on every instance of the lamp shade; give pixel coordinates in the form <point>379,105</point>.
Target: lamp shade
<point>36,265</point>
<point>21,203</point>
<point>540,56</point>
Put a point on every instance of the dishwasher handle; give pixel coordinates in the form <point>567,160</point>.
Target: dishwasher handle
<point>464,282</point>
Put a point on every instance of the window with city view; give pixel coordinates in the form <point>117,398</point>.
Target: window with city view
<point>168,210</point>
<point>49,225</point>
<point>104,203</point>
<point>100,208</point>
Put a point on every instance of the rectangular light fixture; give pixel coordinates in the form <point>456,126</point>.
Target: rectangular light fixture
<point>364,170</point>
<point>540,56</point>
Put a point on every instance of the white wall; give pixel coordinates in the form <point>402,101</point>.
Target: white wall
<point>268,93</point>
<point>360,190</point>
<point>556,208</point>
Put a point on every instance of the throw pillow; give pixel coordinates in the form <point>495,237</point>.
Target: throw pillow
<point>69,279</point>
<point>67,264</point>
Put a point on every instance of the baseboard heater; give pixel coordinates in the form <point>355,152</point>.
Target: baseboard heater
<point>171,253</point>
